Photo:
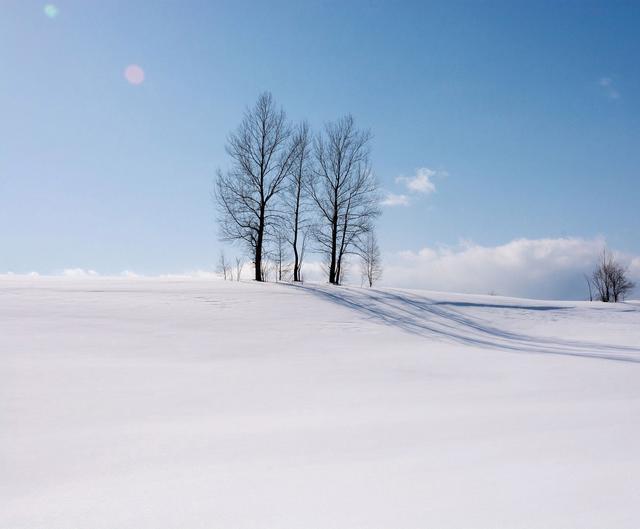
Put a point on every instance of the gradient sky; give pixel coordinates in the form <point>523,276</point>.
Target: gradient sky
<point>528,113</point>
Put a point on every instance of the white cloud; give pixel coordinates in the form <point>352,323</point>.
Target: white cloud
<point>608,86</point>
<point>12,275</point>
<point>82,273</point>
<point>537,268</point>
<point>194,274</point>
<point>420,182</point>
<point>79,272</point>
<point>634,269</point>
<point>392,200</point>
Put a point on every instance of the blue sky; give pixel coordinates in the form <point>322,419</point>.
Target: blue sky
<point>527,115</point>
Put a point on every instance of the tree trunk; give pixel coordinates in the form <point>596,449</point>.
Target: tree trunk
<point>258,258</point>
<point>333,277</point>
<point>258,261</point>
<point>332,265</point>
<point>296,266</point>
<point>296,259</point>
<point>342,243</point>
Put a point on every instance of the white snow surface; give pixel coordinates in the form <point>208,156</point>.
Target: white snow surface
<point>187,404</point>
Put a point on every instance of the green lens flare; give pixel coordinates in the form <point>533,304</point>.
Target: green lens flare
<point>51,10</point>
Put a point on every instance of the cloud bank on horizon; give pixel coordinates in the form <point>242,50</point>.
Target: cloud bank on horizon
<point>530,268</point>
<point>550,268</point>
<point>533,268</point>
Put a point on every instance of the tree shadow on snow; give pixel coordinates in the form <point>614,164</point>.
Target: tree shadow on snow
<point>439,319</point>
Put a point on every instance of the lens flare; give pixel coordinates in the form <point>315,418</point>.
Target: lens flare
<point>134,74</point>
<point>51,10</point>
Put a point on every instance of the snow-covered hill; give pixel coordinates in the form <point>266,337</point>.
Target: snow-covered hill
<point>207,404</point>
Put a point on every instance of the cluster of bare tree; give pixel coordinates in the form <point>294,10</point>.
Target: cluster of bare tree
<point>288,187</point>
<point>609,280</point>
<point>227,268</point>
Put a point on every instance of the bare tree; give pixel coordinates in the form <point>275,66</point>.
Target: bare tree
<point>268,267</point>
<point>265,269</point>
<point>588,280</point>
<point>343,190</point>
<point>610,280</point>
<point>371,261</point>
<point>280,256</point>
<point>239,266</point>
<point>622,285</point>
<point>296,207</point>
<point>262,155</point>
<point>224,267</point>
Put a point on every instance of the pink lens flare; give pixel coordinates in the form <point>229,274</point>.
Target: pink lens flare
<point>134,74</point>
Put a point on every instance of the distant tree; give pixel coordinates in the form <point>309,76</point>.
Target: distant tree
<point>280,255</point>
<point>610,280</point>
<point>262,155</point>
<point>266,265</point>
<point>224,266</point>
<point>296,214</point>
<point>371,262</point>
<point>588,280</point>
<point>344,192</point>
<point>239,266</point>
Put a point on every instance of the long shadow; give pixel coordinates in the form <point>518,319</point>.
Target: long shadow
<point>427,317</point>
<point>496,306</point>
